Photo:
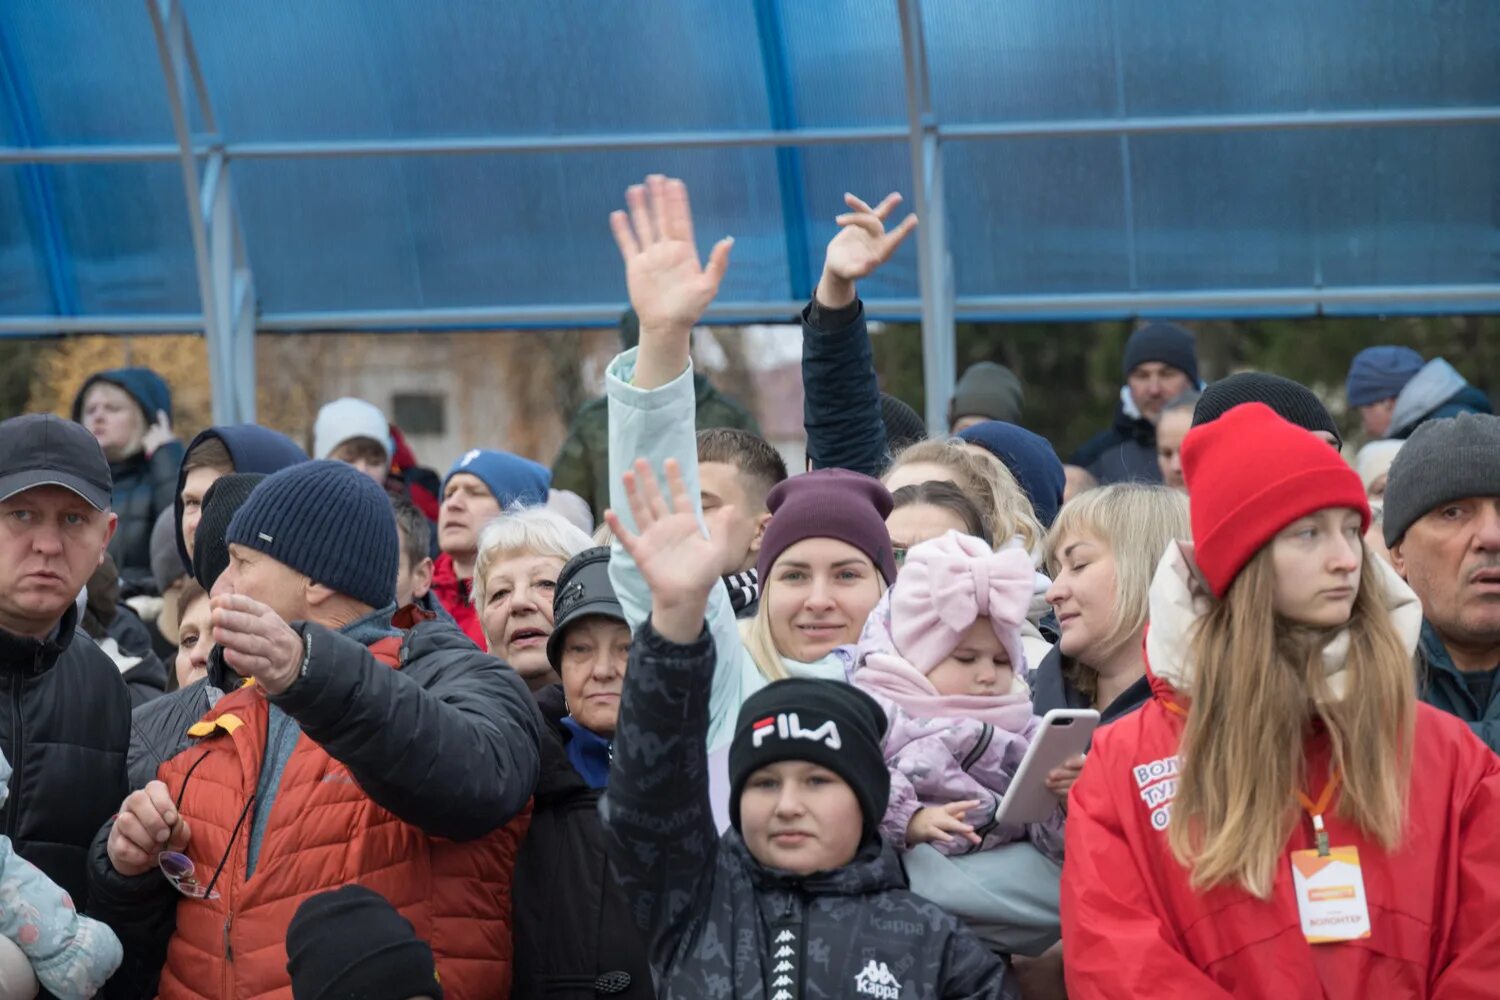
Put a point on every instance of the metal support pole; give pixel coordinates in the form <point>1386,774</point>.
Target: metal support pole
<point>932,248</point>
<point>225,283</point>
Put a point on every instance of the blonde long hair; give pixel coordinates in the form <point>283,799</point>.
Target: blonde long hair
<point>1001,501</point>
<point>1260,684</point>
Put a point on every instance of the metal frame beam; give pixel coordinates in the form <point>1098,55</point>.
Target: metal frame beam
<point>496,145</point>
<point>1308,301</point>
<point>933,264</point>
<point>225,283</point>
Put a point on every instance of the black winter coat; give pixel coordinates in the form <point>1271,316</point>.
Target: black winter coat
<point>64,727</point>
<point>143,488</point>
<point>1126,453</point>
<point>841,398</point>
<point>723,926</point>
<point>574,937</point>
<point>1050,689</point>
<point>158,728</point>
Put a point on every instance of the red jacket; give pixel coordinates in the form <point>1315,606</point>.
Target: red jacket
<point>457,596</point>
<point>1132,927</point>
<point>325,831</point>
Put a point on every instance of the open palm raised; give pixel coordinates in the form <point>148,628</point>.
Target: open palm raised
<point>675,558</point>
<point>668,287</point>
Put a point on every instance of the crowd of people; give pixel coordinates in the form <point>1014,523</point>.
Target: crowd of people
<point>666,720</point>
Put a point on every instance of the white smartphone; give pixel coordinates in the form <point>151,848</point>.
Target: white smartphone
<point>1065,733</point>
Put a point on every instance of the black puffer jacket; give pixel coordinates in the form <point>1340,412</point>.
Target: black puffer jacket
<point>64,727</point>
<point>158,728</point>
<point>1050,688</point>
<point>1126,453</point>
<point>723,926</point>
<point>573,933</point>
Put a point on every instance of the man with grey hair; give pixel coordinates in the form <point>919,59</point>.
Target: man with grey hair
<point>1442,523</point>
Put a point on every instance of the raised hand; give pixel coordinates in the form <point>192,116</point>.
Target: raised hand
<point>669,288</point>
<point>256,642</point>
<point>675,558</point>
<point>861,246</point>
<point>158,434</point>
<point>941,823</point>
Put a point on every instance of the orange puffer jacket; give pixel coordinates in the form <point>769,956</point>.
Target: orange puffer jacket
<point>423,799</point>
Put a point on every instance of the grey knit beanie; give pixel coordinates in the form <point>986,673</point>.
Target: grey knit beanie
<point>1444,460</point>
<point>987,390</point>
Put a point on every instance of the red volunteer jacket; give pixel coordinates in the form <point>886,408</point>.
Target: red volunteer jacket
<point>457,596</point>
<point>1132,926</point>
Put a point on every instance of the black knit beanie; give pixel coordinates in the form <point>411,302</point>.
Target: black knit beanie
<point>328,521</point>
<point>1291,401</point>
<point>1165,342</point>
<point>834,725</point>
<point>903,426</point>
<point>351,944</point>
<point>223,497</point>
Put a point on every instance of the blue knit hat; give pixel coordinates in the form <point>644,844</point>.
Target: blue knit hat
<point>1378,373</point>
<point>511,478</point>
<point>329,521</point>
<point>1030,458</point>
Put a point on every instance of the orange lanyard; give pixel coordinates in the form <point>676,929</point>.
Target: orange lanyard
<point>1318,808</point>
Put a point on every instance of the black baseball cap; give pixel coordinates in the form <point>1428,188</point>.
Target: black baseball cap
<point>583,589</point>
<point>39,449</point>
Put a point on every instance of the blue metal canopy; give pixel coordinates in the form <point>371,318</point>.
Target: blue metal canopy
<point>363,164</point>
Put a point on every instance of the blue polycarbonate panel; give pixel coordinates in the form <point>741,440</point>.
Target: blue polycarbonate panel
<point>125,230</point>
<point>24,285</point>
<point>869,171</point>
<point>88,72</point>
<point>1102,58</point>
<point>444,232</point>
<point>1150,214</point>
<point>846,55</point>
<point>399,68</point>
<point>1036,216</point>
<point>1308,209</point>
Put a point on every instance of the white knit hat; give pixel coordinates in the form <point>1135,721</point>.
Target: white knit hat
<point>348,418</point>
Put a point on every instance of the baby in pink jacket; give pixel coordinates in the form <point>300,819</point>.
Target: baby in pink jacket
<point>942,654</point>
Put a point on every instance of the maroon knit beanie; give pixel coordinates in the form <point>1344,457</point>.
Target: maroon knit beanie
<point>829,503</point>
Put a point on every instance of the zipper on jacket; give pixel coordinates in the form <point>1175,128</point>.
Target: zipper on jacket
<point>18,748</point>
<point>788,949</point>
<point>986,735</point>
<point>228,990</point>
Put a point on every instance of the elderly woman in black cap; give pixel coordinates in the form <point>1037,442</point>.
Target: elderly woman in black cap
<point>573,931</point>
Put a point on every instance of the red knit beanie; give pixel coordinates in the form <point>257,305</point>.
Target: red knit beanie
<point>829,503</point>
<point>1250,474</point>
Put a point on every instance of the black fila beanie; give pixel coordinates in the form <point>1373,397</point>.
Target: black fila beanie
<point>833,725</point>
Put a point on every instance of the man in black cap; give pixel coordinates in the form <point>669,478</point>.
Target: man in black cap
<point>1161,363</point>
<point>69,724</point>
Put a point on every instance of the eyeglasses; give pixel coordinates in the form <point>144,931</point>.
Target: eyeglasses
<point>179,869</point>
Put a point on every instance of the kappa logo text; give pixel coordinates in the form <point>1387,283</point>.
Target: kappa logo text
<point>786,726</point>
<point>875,980</point>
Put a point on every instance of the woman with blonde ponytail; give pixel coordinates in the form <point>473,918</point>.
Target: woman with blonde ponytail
<point>1283,749</point>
